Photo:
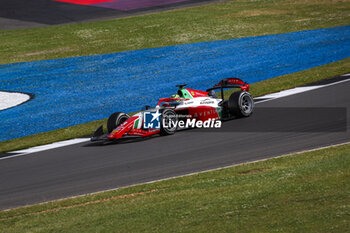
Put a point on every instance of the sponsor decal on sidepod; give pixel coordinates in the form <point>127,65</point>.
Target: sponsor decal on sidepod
<point>152,121</point>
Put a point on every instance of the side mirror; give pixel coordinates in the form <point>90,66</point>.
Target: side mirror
<point>212,94</point>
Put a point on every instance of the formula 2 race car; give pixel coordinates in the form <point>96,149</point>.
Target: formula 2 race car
<point>188,105</point>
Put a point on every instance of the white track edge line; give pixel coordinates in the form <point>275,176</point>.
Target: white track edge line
<point>46,147</point>
<point>294,93</point>
<point>189,174</point>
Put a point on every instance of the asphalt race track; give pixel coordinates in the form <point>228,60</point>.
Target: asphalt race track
<point>15,14</point>
<point>85,167</point>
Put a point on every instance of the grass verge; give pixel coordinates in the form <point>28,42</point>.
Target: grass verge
<point>257,89</point>
<point>306,192</point>
<point>219,21</point>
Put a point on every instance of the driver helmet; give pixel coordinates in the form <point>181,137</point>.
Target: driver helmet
<point>175,96</point>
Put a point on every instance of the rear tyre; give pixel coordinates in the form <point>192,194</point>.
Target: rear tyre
<point>241,104</point>
<point>168,122</point>
<point>115,120</point>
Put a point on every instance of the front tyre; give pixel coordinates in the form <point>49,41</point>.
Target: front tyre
<point>241,104</point>
<point>168,122</point>
<point>115,120</point>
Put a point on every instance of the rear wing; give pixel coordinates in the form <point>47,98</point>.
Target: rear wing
<point>230,83</point>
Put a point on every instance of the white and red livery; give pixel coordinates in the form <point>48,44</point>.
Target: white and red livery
<point>188,104</point>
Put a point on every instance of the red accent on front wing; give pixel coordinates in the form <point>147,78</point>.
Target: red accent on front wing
<point>127,128</point>
<point>143,133</point>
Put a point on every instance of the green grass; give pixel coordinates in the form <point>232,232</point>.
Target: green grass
<point>226,20</point>
<point>307,192</point>
<point>257,89</point>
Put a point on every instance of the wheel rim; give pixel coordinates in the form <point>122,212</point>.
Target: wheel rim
<point>169,119</point>
<point>121,120</point>
<point>246,104</point>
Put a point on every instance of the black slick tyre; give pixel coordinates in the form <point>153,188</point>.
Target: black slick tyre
<point>168,122</point>
<point>241,104</point>
<point>115,120</point>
